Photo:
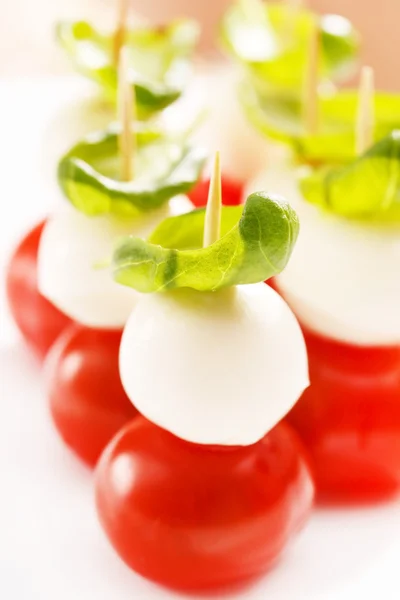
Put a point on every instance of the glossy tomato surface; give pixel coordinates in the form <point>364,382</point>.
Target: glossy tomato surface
<point>87,401</point>
<point>37,319</point>
<point>199,517</point>
<point>232,192</point>
<point>349,420</point>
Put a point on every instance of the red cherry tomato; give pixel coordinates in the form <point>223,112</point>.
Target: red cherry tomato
<point>349,419</point>
<point>87,401</point>
<point>232,192</point>
<point>200,517</point>
<point>37,319</point>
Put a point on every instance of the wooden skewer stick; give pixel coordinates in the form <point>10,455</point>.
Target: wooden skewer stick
<point>120,32</point>
<point>365,121</point>
<point>310,95</point>
<point>212,224</point>
<point>126,116</point>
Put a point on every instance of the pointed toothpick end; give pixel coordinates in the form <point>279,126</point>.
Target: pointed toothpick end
<point>311,80</point>
<point>212,225</point>
<point>126,117</point>
<point>120,30</point>
<point>365,120</point>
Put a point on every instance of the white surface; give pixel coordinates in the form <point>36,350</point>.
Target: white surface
<point>71,252</point>
<point>246,344</point>
<point>342,279</point>
<point>51,545</point>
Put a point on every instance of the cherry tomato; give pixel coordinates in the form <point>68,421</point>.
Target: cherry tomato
<point>232,192</point>
<point>87,400</point>
<point>37,319</point>
<point>201,517</point>
<point>349,420</point>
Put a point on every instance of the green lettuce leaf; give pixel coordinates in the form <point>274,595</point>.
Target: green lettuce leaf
<point>257,247</point>
<point>367,188</point>
<point>164,167</point>
<point>186,231</point>
<point>280,118</point>
<point>272,42</point>
<point>159,59</point>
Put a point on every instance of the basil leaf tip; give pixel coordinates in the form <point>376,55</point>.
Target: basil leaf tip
<point>367,188</point>
<point>256,247</point>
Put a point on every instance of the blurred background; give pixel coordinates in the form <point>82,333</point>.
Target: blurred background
<point>26,40</point>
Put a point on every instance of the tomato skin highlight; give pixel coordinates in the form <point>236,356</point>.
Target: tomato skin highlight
<point>87,401</point>
<point>39,321</point>
<point>196,517</point>
<point>232,192</point>
<point>349,420</point>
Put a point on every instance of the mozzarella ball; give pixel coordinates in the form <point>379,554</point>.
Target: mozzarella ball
<point>343,279</point>
<point>214,368</point>
<point>72,253</point>
<point>278,178</point>
<point>225,128</point>
<point>76,110</point>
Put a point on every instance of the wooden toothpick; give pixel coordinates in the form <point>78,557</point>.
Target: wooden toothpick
<point>126,109</point>
<point>310,95</point>
<point>120,31</point>
<point>365,120</point>
<point>212,224</point>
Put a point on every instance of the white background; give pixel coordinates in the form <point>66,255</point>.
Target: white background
<point>51,546</point>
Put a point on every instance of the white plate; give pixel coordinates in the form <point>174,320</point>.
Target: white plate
<point>51,546</point>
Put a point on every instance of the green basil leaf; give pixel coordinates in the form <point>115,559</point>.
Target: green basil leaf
<point>367,188</point>
<point>159,59</point>
<point>186,231</point>
<point>280,117</point>
<point>164,167</point>
<point>258,35</point>
<point>257,247</point>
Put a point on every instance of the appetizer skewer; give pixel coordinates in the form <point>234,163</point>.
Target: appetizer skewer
<point>38,320</point>
<point>220,486</point>
<point>120,181</point>
<point>273,62</point>
<point>89,178</point>
<point>342,284</point>
<point>86,413</point>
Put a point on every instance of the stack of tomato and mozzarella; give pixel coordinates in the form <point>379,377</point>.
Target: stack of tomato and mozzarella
<point>342,280</point>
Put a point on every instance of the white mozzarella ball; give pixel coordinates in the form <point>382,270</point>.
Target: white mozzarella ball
<point>213,93</point>
<point>214,368</point>
<point>243,150</point>
<point>76,110</point>
<point>343,279</point>
<point>72,252</point>
<point>279,178</point>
